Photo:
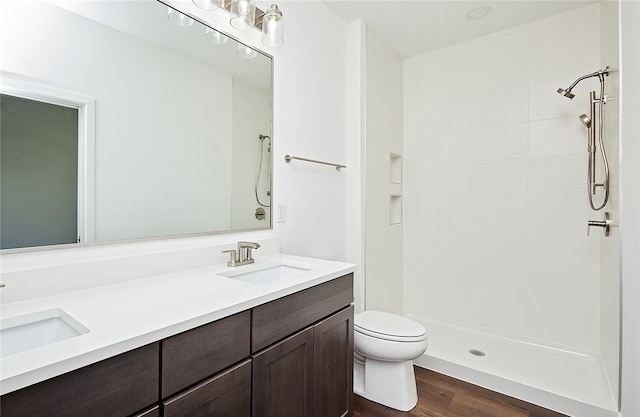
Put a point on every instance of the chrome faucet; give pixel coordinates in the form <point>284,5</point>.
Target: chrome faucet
<point>242,255</point>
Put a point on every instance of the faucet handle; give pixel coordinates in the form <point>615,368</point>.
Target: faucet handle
<point>233,256</point>
<point>605,224</point>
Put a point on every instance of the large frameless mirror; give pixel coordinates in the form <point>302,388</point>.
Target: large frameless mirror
<point>117,123</point>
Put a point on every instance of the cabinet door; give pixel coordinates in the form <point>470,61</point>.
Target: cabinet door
<point>283,378</point>
<point>227,394</point>
<point>333,360</point>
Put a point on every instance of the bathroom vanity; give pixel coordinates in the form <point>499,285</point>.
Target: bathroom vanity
<point>285,350</point>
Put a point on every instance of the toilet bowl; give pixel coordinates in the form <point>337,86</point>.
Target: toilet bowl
<point>385,346</point>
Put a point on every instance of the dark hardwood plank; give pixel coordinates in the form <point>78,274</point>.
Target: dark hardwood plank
<point>442,396</point>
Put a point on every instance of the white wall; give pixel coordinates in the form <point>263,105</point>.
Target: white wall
<point>310,107</point>
<point>383,236</point>
<point>630,209</point>
<point>610,246</point>
<point>495,192</point>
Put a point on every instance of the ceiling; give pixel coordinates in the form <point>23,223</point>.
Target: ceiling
<point>417,26</point>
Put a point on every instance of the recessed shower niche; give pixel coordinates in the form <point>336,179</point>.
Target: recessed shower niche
<point>395,189</point>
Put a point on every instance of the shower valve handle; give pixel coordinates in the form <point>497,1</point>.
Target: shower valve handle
<point>606,224</point>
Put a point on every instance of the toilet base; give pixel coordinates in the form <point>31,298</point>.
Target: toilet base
<point>392,384</point>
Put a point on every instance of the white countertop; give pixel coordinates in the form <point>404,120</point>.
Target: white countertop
<point>130,314</point>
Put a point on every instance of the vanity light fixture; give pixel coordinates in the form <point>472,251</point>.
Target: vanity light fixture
<point>178,18</point>
<point>273,27</point>
<point>215,37</point>
<point>245,16</point>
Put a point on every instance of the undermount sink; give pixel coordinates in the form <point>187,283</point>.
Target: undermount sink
<point>29,331</point>
<point>268,274</point>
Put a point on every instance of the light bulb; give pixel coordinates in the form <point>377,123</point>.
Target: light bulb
<point>178,18</point>
<point>207,4</point>
<point>246,51</point>
<point>215,37</point>
<point>243,14</point>
<point>273,27</point>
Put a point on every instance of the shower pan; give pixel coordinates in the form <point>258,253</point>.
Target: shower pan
<point>594,123</point>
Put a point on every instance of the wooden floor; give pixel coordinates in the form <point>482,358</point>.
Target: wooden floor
<point>443,396</point>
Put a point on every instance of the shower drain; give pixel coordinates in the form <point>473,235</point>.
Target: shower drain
<point>476,352</point>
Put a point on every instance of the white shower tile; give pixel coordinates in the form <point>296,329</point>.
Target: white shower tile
<point>558,211</point>
<point>563,135</point>
<point>495,142</point>
<point>425,94</point>
<point>426,118</point>
<point>424,207</point>
<point>489,109</point>
<point>486,212</point>
<point>501,175</point>
<point>546,103</point>
<point>557,173</point>
<point>565,46</point>
<point>579,61</point>
<point>425,179</point>
<point>573,25</point>
<point>491,63</point>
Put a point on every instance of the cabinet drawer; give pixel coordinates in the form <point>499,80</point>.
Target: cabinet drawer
<point>191,356</point>
<point>225,395</point>
<point>280,318</point>
<point>118,386</point>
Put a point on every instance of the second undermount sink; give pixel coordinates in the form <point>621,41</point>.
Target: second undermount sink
<point>29,331</point>
<point>262,274</point>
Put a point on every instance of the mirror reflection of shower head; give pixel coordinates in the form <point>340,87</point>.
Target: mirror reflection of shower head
<point>586,120</point>
<point>262,138</point>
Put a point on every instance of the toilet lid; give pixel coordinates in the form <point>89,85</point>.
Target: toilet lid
<point>389,326</point>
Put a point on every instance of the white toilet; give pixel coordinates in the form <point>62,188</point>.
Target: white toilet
<point>385,346</point>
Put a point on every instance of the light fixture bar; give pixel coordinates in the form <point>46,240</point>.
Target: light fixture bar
<point>246,16</point>
<point>226,4</point>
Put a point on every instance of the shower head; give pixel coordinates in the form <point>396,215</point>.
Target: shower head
<point>586,120</point>
<point>566,92</point>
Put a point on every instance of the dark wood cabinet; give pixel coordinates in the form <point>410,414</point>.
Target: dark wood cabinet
<point>115,387</point>
<point>151,412</point>
<point>281,386</point>
<point>282,317</point>
<point>196,354</point>
<point>333,359</point>
<point>290,357</point>
<point>227,394</point>
<point>283,378</point>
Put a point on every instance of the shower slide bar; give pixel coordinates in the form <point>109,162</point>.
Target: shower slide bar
<point>288,158</point>
<point>594,123</point>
